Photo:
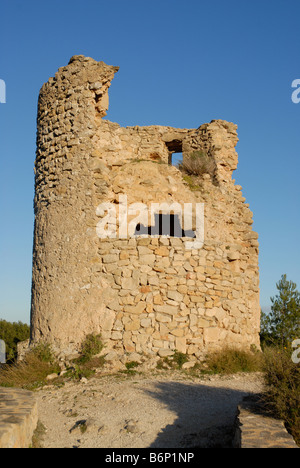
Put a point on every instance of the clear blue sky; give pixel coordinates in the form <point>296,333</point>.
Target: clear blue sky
<point>182,63</point>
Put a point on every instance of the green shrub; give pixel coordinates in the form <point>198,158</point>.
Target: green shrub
<point>12,333</point>
<point>173,362</point>
<point>44,353</point>
<point>282,387</point>
<point>91,346</point>
<point>131,365</point>
<point>179,359</point>
<point>191,183</point>
<point>85,365</point>
<point>282,325</point>
<point>85,370</point>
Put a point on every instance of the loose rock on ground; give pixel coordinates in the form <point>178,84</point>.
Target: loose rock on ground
<point>165,409</point>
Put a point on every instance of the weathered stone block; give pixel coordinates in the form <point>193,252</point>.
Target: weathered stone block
<point>175,296</point>
<point>147,259</point>
<point>144,250</point>
<point>133,325</point>
<point>163,318</point>
<point>162,251</point>
<point>129,283</point>
<point>166,309</point>
<point>181,345</point>
<point>211,334</point>
<point>137,309</point>
<point>110,258</point>
<point>165,352</point>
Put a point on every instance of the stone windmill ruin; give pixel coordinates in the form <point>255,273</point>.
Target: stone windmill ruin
<point>105,260</point>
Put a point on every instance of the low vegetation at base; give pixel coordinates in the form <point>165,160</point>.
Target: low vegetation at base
<point>281,375</point>
<point>232,361</point>
<point>174,362</point>
<point>89,359</point>
<point>30,373</point>
<point>280,372</point>
<point>39,363</point>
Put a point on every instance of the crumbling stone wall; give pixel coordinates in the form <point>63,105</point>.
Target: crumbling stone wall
<point>151,294</point>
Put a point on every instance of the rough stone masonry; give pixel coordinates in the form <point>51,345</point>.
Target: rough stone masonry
<point>146,294</point>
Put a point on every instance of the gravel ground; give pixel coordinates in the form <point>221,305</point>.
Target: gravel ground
<point>162,410</point>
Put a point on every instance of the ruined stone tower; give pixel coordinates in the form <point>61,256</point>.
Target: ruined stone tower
<point>103,265</point>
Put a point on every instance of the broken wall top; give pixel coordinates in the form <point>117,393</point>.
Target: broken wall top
<point>80,90</point>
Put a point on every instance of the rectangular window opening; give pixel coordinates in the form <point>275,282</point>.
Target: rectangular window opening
<point>164,225</point>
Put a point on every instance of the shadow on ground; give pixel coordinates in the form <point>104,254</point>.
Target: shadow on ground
<point>205,416</point>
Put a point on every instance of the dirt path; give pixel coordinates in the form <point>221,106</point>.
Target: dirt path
<point>165,410</point>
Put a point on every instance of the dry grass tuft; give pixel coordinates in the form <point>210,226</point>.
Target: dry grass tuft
<point>198,164</point>
<point>231,361</point>
<point>30,373</point>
